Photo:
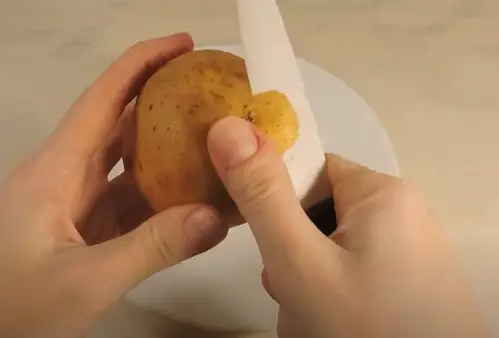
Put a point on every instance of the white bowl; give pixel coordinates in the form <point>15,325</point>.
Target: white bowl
<point>221,289</point>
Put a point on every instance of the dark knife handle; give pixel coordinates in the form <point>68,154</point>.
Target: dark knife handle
<point>323,216</point>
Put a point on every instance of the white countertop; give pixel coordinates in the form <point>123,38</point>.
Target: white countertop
<point>430,69</point>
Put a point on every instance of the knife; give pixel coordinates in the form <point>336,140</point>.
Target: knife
<point>271,65</point>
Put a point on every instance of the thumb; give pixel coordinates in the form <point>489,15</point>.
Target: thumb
<point>256,178</point>
<point>161,242</point>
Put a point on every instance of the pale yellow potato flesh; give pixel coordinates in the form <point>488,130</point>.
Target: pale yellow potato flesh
<point>176,109</point>
<point>272,113</point>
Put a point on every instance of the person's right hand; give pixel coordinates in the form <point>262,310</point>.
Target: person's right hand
<point>388,271</point>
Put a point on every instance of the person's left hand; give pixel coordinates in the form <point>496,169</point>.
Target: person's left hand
<point>70,241</point>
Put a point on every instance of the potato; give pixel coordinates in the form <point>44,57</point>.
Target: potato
<point>176,109</point>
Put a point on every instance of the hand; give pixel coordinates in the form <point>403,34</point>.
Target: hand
<point>53,284</point>
<point>388,271</point>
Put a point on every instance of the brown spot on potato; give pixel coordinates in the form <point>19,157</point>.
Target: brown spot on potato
<point>218,96</point>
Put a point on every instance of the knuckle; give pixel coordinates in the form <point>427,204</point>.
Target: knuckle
<point>156,248</point>
<point>259,187</point>
<point>260,180</point>
<point>137,47</point>
<point>403,189</point>
<point>137,51</point>
<point>405,196</point>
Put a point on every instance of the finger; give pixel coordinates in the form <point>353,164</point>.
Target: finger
<point>118,211</point>
<point>267,286</point>
<point>161,242</point>
<point>256,178</point>
<point>129,204</point>
<point>120,136</point>
<point>353,183</point>
<point>97,111</point>
<point>128,140</point>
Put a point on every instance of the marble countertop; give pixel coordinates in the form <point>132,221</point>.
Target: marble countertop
<point>430,69</point>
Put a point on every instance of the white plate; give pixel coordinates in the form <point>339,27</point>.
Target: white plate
<point>221,289</point>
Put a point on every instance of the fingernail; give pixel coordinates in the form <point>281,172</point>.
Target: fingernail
<point>202,222</point>
<point>232,142</point>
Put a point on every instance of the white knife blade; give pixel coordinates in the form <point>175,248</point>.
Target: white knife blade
<point>272,65</point>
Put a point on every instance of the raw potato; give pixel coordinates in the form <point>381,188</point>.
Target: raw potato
<point>175,111</point>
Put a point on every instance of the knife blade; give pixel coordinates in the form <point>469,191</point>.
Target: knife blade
<point>271,64</point>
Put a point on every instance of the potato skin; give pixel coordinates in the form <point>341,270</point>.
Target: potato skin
<point>176,109</point>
